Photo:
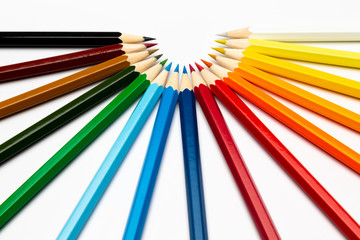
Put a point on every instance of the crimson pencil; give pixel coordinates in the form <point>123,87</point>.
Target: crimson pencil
<point>67,61</point>
<point>280,153</point>
<point>233,158</point>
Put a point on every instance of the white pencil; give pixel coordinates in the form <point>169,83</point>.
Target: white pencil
<point>295,34</point>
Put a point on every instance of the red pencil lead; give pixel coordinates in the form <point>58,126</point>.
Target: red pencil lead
<point>199,66</point>
<point>149,45</point>
<point>191,68</point>
<point>208,64</point>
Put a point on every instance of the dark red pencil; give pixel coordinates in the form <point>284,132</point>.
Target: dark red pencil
<point>68,61</point>
<point>279,152</point>
<point>233,158</point>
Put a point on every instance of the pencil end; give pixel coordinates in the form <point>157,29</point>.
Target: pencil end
<point>213,56</point>
<point>163,62</point>
<point>191,68</point>
<point>184,70</point>
<point>154,50</point>
<point>149,45</point>
<point>177,68</point>
<point>220,50</point>
<point>223,41</point>
<point>208,64</point>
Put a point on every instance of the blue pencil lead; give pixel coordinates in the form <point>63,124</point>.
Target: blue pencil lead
<point>184,70</point>
<point>177,68</point>
<point>168,67</point>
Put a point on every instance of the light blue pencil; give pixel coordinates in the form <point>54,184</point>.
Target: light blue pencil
<point>117,153</point>
<point>147,180</point>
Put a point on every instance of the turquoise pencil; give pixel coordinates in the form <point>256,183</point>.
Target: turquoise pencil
<point>140,206</point>
<point>117,153</point>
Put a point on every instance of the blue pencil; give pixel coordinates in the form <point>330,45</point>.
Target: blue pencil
<point>192,164</point>
<point>140,206</point>
<point>117,153</point>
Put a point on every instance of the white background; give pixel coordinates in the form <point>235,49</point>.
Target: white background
<point>185,31</point>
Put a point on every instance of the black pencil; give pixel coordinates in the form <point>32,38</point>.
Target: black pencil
<point>67,39</point>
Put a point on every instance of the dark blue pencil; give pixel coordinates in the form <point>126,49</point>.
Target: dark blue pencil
<point>192,164</point>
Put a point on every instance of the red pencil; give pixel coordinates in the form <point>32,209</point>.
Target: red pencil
<point>233,158</point>
<point>280,153</point>
<point>68,61</point>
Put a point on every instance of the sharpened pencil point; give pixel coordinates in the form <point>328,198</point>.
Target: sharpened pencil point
<point>199,66</point>
<point>149,45</point>
<point>168,67</point>
<point>148,39</point>
<point>191,68</point>
<point>163,62</point>
<point>213,56</point>
<point>158,56</point>
<point>223,41</point>
<point>223,34</point>
<point>177,68</point>
<point>184,70</point>
<point>152,51</point>
<point>220,50</point>
<point>208,64</point>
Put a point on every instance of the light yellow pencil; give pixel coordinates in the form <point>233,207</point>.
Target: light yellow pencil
<point>297,51</point>
<point>295,34</point>
<point>295,94</point>
<point>293,71</point>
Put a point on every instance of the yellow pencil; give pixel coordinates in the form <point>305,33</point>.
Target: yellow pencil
<point>297,51</point>
<point>294,71</point>
<point>295,94</point>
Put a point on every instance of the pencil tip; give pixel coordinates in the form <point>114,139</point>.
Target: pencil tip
<point>168,67</point>
<point>158,56</point>
<point>223,34</point>
<point>148,39</point>
<point>149,45</point>
<point>220,50</point>
<point>177,68</point>
<point>152,51</point>
<point>163,62</point>
<point>184,70</point>
<point>223,41</point>
<point>208,64</point>
<point>191,68</point>
<point>199,66</point>
<point>213,56</point>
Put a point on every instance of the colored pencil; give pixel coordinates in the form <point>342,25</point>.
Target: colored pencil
<point>233,53</point>
<point>192,163</point>
<point>295,94</point>
<point>71,110</point>
<point>233,158</point>
<point>283,156</point>
<point>67,39</point>
<point>297,51</point>
<point>294,35</point>
<point>295,71</point>
<point>67,61</point>
<point>294,121</point>
<point>149,172</point>
<point>69,83</point>
<point>72,148</point>
<point>115,157</point>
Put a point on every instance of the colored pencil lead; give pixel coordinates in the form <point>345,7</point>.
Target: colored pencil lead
<point>208,64</point>
<point>177,68</point>
<point>191,68</point>
<point>199,67</point>
<point>212,56</point>
<point>168,67</point>
<point>151,51</point>
<point>184,70</point>
<point>163,62</point>
<point>223,41</point>
<point>149,45</point>
<point>146,39</point>
<point>220,50</point>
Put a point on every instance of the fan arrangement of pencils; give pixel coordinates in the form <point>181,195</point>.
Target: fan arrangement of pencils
<point>253,60</point>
